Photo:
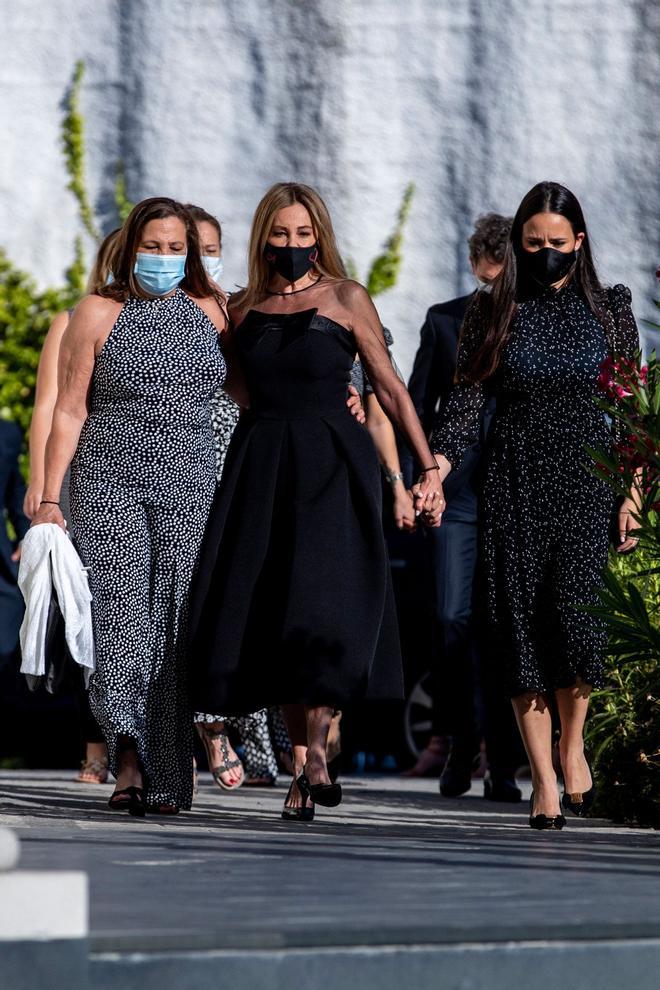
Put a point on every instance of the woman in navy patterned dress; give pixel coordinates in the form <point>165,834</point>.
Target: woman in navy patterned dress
<point>537,341</point>
<point>139,363</point>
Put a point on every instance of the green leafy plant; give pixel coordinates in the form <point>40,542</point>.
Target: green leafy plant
<point>26,311</point>
<point>73,144</point>
<point>385,268</point>
<point>624,729</point>
<point>122,202</point>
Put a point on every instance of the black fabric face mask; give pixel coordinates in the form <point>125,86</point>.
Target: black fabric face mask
<point>546,266</point>
<point>291,262</point>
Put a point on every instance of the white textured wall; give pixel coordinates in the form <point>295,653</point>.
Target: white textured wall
<point>213,100</point>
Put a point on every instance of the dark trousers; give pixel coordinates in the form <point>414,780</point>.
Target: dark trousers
<point>468,702</point>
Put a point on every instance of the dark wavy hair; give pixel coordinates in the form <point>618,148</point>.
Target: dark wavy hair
<point>200,215</point>
<point>125,285</point>
<point>510,287</point>
<point>490,237</point>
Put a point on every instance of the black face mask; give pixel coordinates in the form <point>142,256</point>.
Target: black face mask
<point>291,262</point>
<point>546,266</point>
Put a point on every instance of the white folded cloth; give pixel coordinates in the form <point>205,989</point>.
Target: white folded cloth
<point>50,563</point>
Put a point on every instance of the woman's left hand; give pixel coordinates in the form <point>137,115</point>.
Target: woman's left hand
<point>354,404</point>
<point>403,508</point>
<point>429,498</point>
<point>627,526</point>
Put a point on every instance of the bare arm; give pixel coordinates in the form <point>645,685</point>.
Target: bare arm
<point>89,325</point>
<point>235,385</point>
<point>42,415</point>
<point>389,389</point>
<point>384,440</point>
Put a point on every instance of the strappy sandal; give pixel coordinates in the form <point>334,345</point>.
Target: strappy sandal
<point>302,814</point>
<point>206,735</point>
<point>93,771</point>
<point>129,799</point>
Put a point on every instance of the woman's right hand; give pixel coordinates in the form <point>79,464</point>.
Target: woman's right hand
<point>32,499</point>
<point>429,498</point>
<point>48,513</point>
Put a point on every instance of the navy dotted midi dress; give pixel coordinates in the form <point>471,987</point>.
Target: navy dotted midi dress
<point>545,516</point>
<point>142,483</point>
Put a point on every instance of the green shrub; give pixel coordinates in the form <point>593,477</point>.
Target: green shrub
<point>26,312</point>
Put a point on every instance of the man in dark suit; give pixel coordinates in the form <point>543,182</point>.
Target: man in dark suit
<point>12,492</point>
<point>461,708</point>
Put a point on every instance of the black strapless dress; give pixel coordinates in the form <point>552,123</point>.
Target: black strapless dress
<point>293,599</point>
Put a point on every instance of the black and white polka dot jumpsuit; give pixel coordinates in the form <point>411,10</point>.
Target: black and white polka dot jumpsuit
<point>544,517</point>
<point>142,482</point>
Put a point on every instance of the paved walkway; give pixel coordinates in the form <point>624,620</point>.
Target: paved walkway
<point>395,863</point>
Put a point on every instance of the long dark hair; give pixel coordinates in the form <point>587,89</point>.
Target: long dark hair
<point>510,287</point>
<point>196,281</point>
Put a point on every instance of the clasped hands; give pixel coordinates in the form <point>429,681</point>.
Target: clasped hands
<point>428,498</point>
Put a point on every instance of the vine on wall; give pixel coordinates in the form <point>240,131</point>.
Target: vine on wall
<point>73,145</point>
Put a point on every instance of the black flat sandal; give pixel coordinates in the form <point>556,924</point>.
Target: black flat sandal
<point>129,799</point>
<point>327,795</point>
<point>302,814</point>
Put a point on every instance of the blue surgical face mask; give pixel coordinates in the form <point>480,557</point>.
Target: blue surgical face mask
<point>214,266</point>
<point>158,274</point>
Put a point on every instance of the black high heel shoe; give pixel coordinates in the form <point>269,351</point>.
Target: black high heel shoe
<point>129,799</point>
<point>579,803</point>
<point>302,814</point>
<point>327,795</point>
<point>552,822</point>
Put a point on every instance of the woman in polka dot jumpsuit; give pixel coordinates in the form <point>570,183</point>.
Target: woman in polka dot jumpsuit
<point>537,341</point>
<point>142,482</point>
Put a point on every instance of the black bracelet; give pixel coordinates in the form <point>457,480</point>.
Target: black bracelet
<point>46,501</point>
<point>434,468</point>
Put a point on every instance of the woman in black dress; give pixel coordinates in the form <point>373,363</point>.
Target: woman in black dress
<point>537,341</point>
<point>293,602</point>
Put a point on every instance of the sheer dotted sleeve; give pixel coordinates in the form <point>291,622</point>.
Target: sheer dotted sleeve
<point>458,423</point>
<point>625,342</point>
<point>623,337</point>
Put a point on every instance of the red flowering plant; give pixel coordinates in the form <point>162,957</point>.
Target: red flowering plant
<point>631,398</point>
<point>623,732</point>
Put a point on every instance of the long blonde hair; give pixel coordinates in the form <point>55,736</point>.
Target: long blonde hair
<point>278,197</point>
<point>102,267</point>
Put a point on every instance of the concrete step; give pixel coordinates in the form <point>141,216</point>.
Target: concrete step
<point>591,965</point>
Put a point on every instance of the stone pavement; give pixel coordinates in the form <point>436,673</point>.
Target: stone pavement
<point>395,865</point>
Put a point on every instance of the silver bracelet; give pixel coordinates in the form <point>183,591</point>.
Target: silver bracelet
<point>392,477</point>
